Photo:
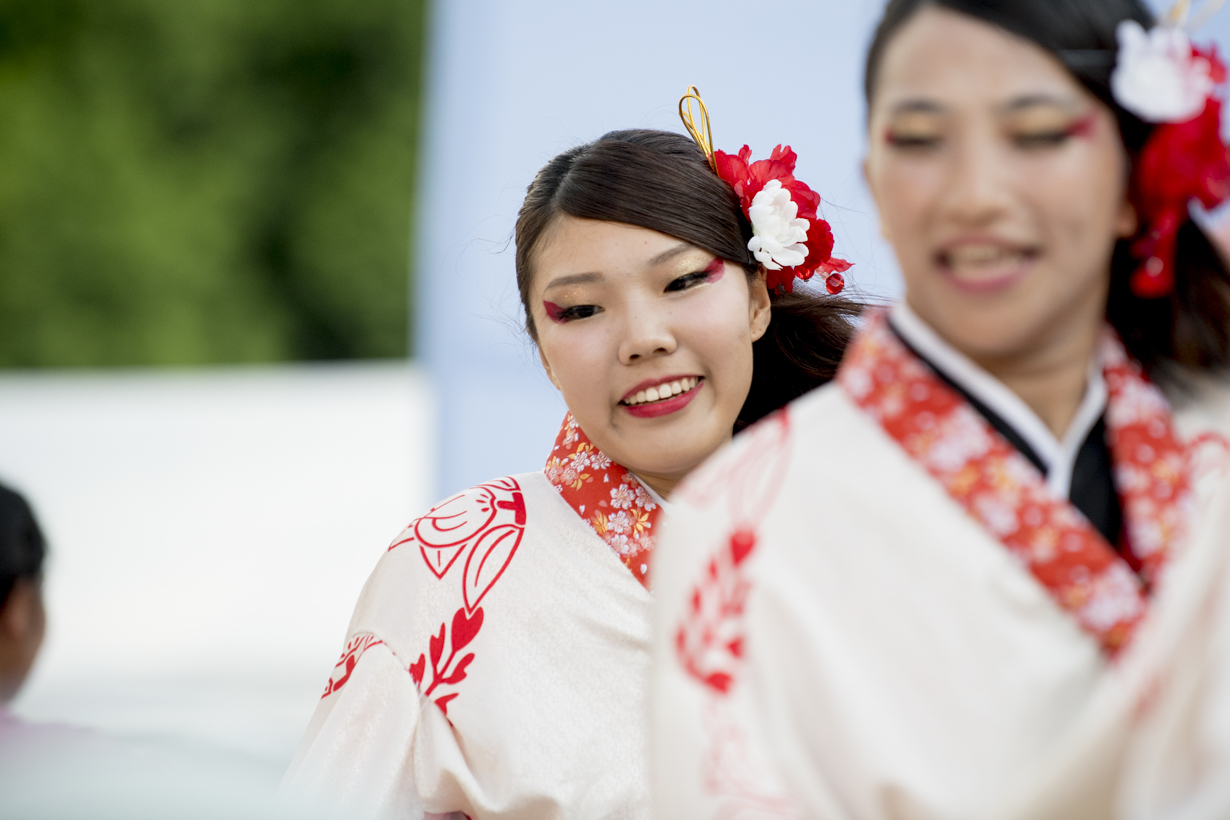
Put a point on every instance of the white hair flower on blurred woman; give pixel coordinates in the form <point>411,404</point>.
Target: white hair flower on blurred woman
<point>1158,76</point>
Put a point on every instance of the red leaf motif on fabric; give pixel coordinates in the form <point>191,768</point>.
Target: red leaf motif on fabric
<point>487,562</point>
<point>417,668</point>
<point>443,702</point>
<point>443,669</point>
<point>487,523</point>
<point>459,671</point>
<point>719,681</point>
<point>437,646</point>
<point>465,628</point>
<point>741,544</point>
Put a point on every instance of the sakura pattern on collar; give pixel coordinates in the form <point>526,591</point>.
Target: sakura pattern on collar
<point>1005,493</point>
<point>609,498</point>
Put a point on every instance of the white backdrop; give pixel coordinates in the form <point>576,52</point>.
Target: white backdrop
<point>209,533</point>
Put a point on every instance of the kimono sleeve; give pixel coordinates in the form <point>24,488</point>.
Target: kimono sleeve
<point>357,757</point>
<point>711,748</point>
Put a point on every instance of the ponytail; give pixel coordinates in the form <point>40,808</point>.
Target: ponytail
<point>800,351</point>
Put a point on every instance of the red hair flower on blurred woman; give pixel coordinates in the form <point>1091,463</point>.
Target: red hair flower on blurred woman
<point>1162,78</point>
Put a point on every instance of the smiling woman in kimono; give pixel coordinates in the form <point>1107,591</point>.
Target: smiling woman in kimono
<point>981,573</point>
<point>497,661</point>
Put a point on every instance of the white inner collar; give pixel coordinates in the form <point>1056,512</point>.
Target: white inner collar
<point>1059,456</point>
<point>659,500</point>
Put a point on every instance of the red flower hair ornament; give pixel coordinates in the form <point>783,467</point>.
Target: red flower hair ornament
<point>788,236</point>
<point>1162,78</point>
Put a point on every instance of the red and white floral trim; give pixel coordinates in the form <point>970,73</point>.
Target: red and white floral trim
<point>607,497</point>
<point>1000,489</point>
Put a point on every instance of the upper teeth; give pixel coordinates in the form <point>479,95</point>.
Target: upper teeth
<point>981,255</point>
<point>664,391</point>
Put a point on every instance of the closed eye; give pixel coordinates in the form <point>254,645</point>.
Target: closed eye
<point>688,280</point>
<point>1042,139</point>
<point>562,315</point>
<point>712,272</point>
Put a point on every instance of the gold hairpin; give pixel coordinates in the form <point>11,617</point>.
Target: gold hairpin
<point>704,134</point>
<point>1177,16</point>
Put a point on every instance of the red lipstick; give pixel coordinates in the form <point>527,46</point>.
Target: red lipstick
<point>661,408</point>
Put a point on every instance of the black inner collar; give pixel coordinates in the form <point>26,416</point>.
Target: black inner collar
<point>1092,490</point>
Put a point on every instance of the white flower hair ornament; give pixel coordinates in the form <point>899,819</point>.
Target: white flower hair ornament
<point>788,236</point>
<point>1158,76</point>
<point>1163,79</point>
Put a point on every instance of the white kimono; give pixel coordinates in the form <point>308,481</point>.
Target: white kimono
<point>497,661</point>
<point>871,607</point>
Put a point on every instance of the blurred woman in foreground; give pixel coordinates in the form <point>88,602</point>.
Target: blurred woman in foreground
<point>497,661</point>
<point>983,573</point>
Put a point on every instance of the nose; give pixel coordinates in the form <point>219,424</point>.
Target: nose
<point>979,183</point>
<point>647,334</point>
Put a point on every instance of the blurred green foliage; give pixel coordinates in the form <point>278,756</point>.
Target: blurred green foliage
<point>205,180</point>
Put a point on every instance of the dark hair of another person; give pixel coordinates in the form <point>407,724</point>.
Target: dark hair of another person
<point>22,548</point>
<point>1191,327</point>
<point>661,181</point>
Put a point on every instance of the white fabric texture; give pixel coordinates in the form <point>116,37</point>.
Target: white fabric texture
<point>898,663</point>
<point>548,720</point>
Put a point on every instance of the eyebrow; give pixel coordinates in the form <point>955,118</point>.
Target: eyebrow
<point>1032,100</point>
<point>1012,106</point>
<point>667,255</point>
<point>587,278</point>
<point>573,279</point>
<point>917,106</point>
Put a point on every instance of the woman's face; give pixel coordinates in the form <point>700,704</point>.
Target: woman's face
<point>648,338</point>
<point>1001,184</point>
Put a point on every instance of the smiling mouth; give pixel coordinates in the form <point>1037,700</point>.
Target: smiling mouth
<point>662,392</point>
<point>985,262</point>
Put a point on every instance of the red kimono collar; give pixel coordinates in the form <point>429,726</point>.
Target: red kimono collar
<point>1000,489</point>
<point>609,498</point>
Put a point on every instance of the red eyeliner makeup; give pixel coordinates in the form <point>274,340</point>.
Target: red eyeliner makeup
<point>1082,127</point>
<point>554,312</point>
<point>716,269</point>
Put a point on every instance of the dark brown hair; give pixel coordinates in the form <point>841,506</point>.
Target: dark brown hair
<point>22,548</point>
<point>1190,327</point>
<point>661,181</point>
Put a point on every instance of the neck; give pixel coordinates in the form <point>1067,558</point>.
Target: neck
<point>661,485</point>
<point>1051,379</point>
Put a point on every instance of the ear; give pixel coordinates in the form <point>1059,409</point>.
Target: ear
<point>1126,222</point>
<point>546,365</point>
<point>17,613</point>
<point>760,310</point>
